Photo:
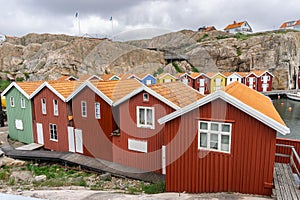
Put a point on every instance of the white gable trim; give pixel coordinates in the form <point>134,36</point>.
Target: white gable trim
<point>93,88</point>
<point>113,77</point>
<point>166,75</point>
<point>14,84</point>
<point>151,92</point>
<point>235,74</point>
<point>147,76</point>
<point>233,101</point>
<point>46,84</point>
<point>94,76</point>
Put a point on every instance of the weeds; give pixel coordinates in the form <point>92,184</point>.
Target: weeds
<point>154,188</point>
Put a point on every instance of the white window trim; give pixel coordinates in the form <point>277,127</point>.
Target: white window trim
<point>55,107</point>
<point>97,117</point>
<point>82,114</point>
<point>12,101</point>
<point>56,140</point>
<point>23,103</point>
<point>208,131</point>
<point>138,117</point>
<point>145,99</point>
<point>19,124</point>
<point>44,107</point>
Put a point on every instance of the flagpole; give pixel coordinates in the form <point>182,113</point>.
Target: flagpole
<point>112,27</point>
<point>77,16</point>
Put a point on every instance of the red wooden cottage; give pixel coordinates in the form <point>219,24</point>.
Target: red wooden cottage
<point>201,82</point>
<point>140,143</point>
<point>94,117</point>
<point>250,79</point>
<point>264,80</point>
<point>185,78</point>
<point>50,115</point>
<point>224,142</point>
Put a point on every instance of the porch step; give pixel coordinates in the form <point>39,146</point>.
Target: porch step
<point>30,147</point>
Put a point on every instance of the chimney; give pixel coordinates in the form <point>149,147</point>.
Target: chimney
<point>234,22</point>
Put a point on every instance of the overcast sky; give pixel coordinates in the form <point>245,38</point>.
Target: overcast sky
<point>133,17</point>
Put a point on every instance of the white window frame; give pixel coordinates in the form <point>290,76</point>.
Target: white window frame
<point>97,110</point>
<point>137,145</point>
<point>149,82</point>
<point>145,97</point>
<point>44,108</point>
<point>23,103</point>
<point>19,124</point>
<point>12,101</point>
<point>144,125</point>
<point>55,107</point>
<point>219,133</point>
<point>83,109</point>
<point>53,132</point>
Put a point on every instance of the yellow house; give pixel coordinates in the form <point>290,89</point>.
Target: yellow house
<point>165,78</point>
<point>217,81</point>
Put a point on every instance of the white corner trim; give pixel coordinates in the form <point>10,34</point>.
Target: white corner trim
<point>233,101</point>
<point>46,84</point>
<point>14,84</point>
<point>93,88</point>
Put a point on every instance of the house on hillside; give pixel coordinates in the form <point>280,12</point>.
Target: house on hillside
<point>250,79</point>
<point>19,109</point>
<point>2,38</point>
<point>67,78</point>
<point>89,77</point>
<point>165,78</point>
<point>205,29</point>
<point>238,27</point>
<point>141,141</point>
<point>294,25</point>
<point>94,117</point>
<point>52,117</point>
<point>223,142</point>
<point>264,80</point>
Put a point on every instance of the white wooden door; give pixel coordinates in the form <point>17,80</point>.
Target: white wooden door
<point>218,84</point>
<point>251,82</point>
<point>202,82</point>
<point>185,81</point>
<point>265,79</point>
<point>201,90</point>
<point>78,141</point>
<point>71,139</point>
<point>265,86</point>
<point>163,157</point>
<point>40,136</point>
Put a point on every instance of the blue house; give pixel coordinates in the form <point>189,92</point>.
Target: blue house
<point>146,79</point>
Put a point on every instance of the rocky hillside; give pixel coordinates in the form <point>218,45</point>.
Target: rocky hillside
<point>46,56</point>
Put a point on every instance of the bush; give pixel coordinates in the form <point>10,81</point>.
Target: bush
<point>175,65</point>
<point>154,188</point>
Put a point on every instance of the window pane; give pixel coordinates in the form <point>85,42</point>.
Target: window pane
<point>203,125</point>
<point>149,117</point>
<point>224,142</point>
<point>142,116</point>
<point>214,127</point>
<point>225,128</point>
<point>214,141</point>
<point>203,139</point>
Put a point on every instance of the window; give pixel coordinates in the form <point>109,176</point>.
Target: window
<point>83,109</point>
<point>44,110</point>
<point>55,107</point>
<point>148,82</point>
<point>145,117</point>
<point>214,136</point>
<point>23,105</point>
<point>145,97</point>
<point>53,132</point>
<point>97,110</point>
<point>12,101</point>
<point>19,124</point>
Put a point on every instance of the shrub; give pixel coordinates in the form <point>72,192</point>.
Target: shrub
<point>154,188</point>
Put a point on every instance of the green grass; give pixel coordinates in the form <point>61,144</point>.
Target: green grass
<point>158,71</point>
<point>4,84</point>
<point>239,51</point>
<point>194,69</point>
<point>154,188</point>
<point>202,38</point>
<point>4,174</point>
<point>175,65</point>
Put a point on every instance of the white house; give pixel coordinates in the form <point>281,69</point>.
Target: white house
<point>232,76</point>
<point>294,25</point>
<point>2,38</point>
<point>238,27</point>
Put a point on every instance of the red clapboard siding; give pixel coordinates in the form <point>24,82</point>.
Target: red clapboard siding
<point>96,133</point>
<point>61,120</point>
<point>260,82</point>
<point>246,169</point>
<point>152,159</point>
